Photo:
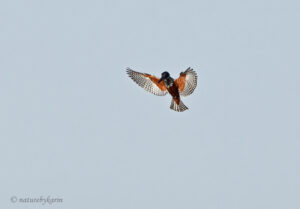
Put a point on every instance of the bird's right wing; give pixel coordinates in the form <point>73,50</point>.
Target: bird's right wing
<point>148,82</point>
<point>187,82</point>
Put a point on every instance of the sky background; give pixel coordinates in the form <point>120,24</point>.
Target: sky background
<point>73,125</point>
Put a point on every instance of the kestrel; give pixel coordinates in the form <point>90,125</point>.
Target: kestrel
<point>182,86</point>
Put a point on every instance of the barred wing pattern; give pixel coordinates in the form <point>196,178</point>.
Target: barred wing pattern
<point>187,82</point>
<point>148,82</point>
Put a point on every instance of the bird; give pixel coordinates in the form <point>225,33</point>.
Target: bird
<point>184,85</point>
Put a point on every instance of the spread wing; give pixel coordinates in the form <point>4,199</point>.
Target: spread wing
<point>187,82</point>
<point>148,82</point>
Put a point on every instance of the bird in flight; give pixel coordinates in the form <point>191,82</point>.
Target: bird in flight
<point>182,86</point>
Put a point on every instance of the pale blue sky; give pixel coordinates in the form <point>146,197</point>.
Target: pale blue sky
<point>73,125</point>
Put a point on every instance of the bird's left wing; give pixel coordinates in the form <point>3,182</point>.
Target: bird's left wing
<point>148,82</point>
<point>187,82</point>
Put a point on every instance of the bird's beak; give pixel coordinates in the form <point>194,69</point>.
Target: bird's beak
<point>160,80</point>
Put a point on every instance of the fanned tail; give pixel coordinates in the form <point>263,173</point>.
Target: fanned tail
<point>178,107</point>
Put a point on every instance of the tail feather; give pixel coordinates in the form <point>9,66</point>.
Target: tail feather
<point>178,107</point>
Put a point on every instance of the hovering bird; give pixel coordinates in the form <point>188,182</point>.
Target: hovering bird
<point>182,86</point>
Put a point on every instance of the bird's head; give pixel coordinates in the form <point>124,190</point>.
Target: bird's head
<point>164,76</point>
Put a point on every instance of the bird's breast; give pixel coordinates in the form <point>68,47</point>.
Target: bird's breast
<point>174,92</point>
<point>169,82</point>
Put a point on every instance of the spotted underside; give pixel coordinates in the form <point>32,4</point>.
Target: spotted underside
<point>148,82</point>
<point>187,82</point>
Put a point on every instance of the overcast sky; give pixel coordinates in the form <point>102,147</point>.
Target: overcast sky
<point>74,126</point>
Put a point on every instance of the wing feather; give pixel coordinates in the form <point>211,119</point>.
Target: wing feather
<point>187,82</point>
<point>148,82</point>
